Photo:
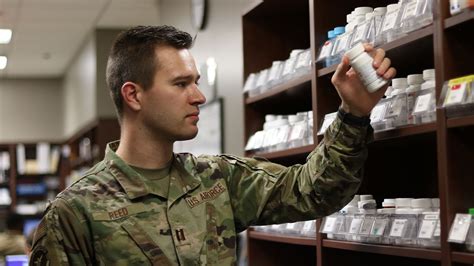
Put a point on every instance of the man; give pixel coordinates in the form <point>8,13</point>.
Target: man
<point>144,205</point>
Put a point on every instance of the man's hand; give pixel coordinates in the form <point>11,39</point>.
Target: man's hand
<point>355,97</point>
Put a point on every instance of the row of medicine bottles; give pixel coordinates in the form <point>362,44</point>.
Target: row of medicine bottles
<point>305,228</point>
<point>376,26</point>
<point>281,132</point>
<point>402,222</point>
<point>297,65</point>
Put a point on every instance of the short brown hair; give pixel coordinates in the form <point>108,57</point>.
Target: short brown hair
<point>132,57</point>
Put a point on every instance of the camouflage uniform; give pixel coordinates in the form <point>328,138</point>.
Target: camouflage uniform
<point>110,217</point>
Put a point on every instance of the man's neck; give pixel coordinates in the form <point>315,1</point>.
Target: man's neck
<point>143,150</point>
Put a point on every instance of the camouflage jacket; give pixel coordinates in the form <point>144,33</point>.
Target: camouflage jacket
<point>108,217</point>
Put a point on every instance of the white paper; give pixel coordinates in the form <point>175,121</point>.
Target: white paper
<point>359,34</point>
<point>422,103</point>
<point>460,228</point>
<point>427,229</point>
<point>456,94</point>
<point>390,20</point>
<point>290,226</point>
<point>308,225</point>
<point>397,227</point>
<point>342,43</point>
<point>329,225</point>
<point>366,226</point>
<point>297,131</point>
<point>355,225</point>
<point>378,113</point>
<point>379,227</point>
<point>410,10</point>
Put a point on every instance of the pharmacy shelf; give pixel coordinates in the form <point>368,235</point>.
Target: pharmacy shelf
<point>282,89</point>
<point>294,152</point>
<point>428,254</point>
<point>405,131</point>
<point>409,40</point>
<point>465,17</point>
<point>280,238</point>
<point>463,257</point>
<point>460,121</point>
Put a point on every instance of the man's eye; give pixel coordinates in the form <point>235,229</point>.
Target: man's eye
<point>181,84</point>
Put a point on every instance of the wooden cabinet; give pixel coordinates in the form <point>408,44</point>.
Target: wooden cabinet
<point>429,160</point>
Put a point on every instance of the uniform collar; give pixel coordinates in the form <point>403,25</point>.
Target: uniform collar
<point>182,178</point>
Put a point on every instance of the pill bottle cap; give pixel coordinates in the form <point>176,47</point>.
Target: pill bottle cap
<point>349,18</point>
<point>399,82</point>
<point>435,202</point>
<point>269,118</point>
<point>367,204</point>
<point>355,51</point>
<point>415,79</point>
<point>388,203</point>
<point>339,30</point>
<point>369,16</point>
<point>429,74</point>
<point>363,10</point>
<point>331,34</point>
<point>403,202</point>
<point>295,52</point>
<point>379,11</point>
<point>423,203</point>
<point>366,197</point>
<point>392,7</point>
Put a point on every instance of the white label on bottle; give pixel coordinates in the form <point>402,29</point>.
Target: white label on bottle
<point>326,50</point>
<point>360,31</point>
<point>366,226</point>
<point>378,112</point>
<point>427,229</point>
<point>390,20</point>
<point>410,10</point>
<point>326,123</point>
<point>307,226</point>
<point>282,135</point>
<point>290,226</point>
<point>342,43</point>
<point>379,227</point>
<point>329,225</point>
<point>397,227</point>
<point>355,225</point>
<point>274,72</point>
<point>297,131</point>
<point>437,231</point>
<point>396,107</point>
<point>422,103</point>
<point>456,94</point>
<point>289,66</point>
<point>459,228</point>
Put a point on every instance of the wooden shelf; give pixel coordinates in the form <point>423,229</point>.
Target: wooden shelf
<point>428,254</point>
<point>304,150</point>
<point>405,131</point>
<point>280,238</point>
<point>463,257</point>
<point>463,17</point>
<point>460,121</point>
<point>410,38</point>
<point>281,89</point>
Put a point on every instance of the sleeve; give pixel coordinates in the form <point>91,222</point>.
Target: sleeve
<point>60,238</point>
<point>262,192</point>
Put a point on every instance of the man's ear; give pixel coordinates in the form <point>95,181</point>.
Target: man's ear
<point>130,96</point>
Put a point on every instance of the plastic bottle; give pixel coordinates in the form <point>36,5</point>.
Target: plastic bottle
<point>362,64</point>
<point>470,233</point>
<point>428,88</point>
<point>414,86</point>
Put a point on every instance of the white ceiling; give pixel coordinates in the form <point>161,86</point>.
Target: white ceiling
<point>48,33</point>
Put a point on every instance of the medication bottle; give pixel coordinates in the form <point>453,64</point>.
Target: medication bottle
<point>362,64</point>
<point>470,233</point>
<point>414,86</point>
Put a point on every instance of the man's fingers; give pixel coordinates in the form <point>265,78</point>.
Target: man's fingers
<point>391,73</point>
<point>378,57</point>
<point>341,69</point>
<point>384,66</point>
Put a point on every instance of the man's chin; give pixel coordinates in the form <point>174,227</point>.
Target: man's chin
<point>187,136</point>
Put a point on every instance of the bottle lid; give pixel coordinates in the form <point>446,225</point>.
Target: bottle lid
<point>415,79</point>
<point>331,34</point>
<point>367,204</point>
<point>269,118</point>
<point>388,203</point>
<point>471,211</point>
<point>369,16</point>
<point>392,7</point>
<point>429,74</point>
<point>366,197</point>
<point>295,52</point>
<point>379,11</point>
<point>355,51</point>
<point>435,202</point>
<point>403,202</point>
<point>399,83</point>
<point>310,114</point>
<point>350,18</point>
<point>423,203</point>
<point>292,118</point>
<point>339,30</point>
<point>363,10</point>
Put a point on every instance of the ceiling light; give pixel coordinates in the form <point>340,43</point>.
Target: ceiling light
<point>3,62</point>
<point>5,35</point>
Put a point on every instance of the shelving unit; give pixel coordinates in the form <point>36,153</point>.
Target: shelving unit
<point>435,158</point>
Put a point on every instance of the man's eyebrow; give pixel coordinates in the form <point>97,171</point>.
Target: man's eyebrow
<point>185,77</point>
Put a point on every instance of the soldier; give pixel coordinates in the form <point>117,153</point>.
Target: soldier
<point>144,204</point>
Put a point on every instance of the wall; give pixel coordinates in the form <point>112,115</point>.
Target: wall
<point>30,110</point>
<point>79,101</point>
<point>221,39</point>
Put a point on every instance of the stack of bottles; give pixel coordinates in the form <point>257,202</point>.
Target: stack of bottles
<point>297,65</point>
<point>376,26</point>
<point>409,101</point>
<point>462,230</point>
<point>306,228</point>
<point>281,132</point>
<point>402,221</point>
<point>457,96</point>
